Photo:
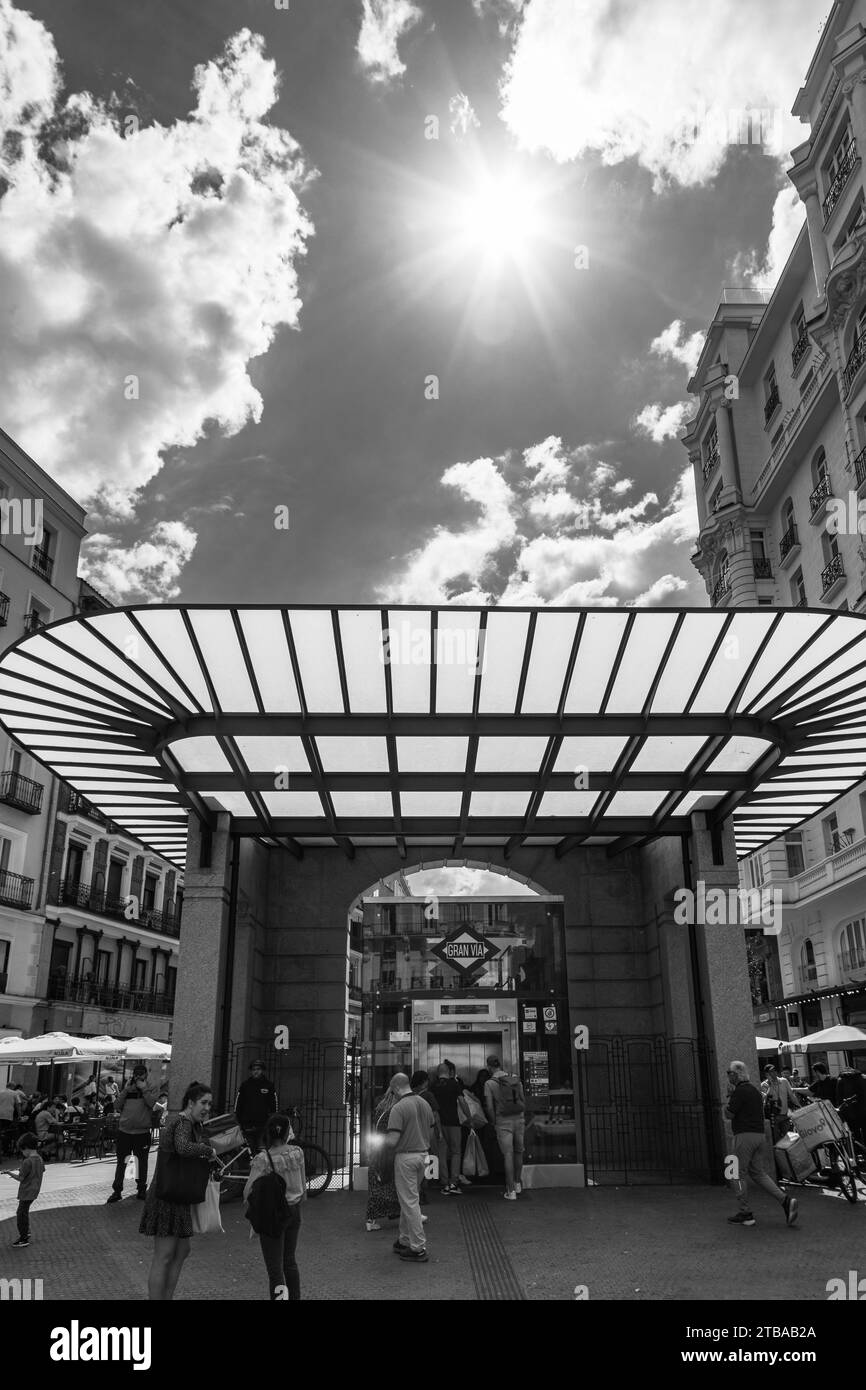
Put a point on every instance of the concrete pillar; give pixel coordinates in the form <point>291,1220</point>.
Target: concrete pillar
<point>727,453</point>
<point>727,1009</point>
<point>817,240</point>
<point>198,1010</point>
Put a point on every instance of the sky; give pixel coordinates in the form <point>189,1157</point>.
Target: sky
<point>383,300</point>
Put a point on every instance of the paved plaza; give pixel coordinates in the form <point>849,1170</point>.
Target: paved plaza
<point>630,1244</point>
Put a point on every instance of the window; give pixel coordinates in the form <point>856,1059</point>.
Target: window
<point>171,981</point>
<point>798,590</point>
<point>820,471</point>
<point>771,394</point>
<point>853,222</point>
<point>794,852</point>
<point>140,977</point>
<point>74,864</point>
<point>114,888</point>
<point>853,945</point>
<point>5,851</point>
<point>807,963</point>
<point>711,450</point>
<point>4,966</point>
<point>148,900</point>
<point>798,325</point>
<point>103,959</point>
<point>787,517</point>
<point>756,871</point>
<point>716,497</point>
<point>758,549</point>
<point>830,546</point>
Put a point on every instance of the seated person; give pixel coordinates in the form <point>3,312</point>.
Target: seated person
<point>49,1115</point>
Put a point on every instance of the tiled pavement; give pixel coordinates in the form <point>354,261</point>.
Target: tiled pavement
<point>638,1243</point>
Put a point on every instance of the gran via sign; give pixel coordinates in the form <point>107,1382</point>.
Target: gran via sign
<point>465,949</point>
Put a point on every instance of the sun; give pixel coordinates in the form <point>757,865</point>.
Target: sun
<point>500,220</point>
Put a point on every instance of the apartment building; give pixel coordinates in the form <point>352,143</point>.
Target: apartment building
<point>778,445</point>
<point>89,920</point>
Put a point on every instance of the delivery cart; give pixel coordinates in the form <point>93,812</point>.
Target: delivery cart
<point>839,1157</point>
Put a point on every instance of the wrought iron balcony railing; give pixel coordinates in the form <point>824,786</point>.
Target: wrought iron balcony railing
<point>772,402</point>
<point>721,587</point>
<point>801,347</point>
<point>788,541</point>
<point>802,602</point>
<point>710,462</point>
<point>33,622</point>
<point>4,609</point>
<point>89,899</point>
<point>74,804</point>
<point>856,358</point>
<point>78,989</point>
<point>42,563</point>
<point>819,496</point>
<point>860,468</point>
<point>834,572</point>
<point>763,568</point>
<point>21,792</point>
<point>15,890</point>
<point>837,187</point>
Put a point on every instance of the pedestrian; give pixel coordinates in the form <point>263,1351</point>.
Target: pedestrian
<point>280,1156</point>
<point>89,1091</point>
<point>256,1102</point>
<point>505,1104</point>
<point>382,1201</point>
<point>420,1083</point>
<point>410,1126</point>
<point>822,1085</point>
<point>445,1090</point>
<point>10,1110</point>
<point>779,1101</point>
<point>135,1104</point>
<point>29,1179</point>
<point>169,1219</point>
<point>111,1093</point>
<point>487,1135</point>
<point>745,1110</point>
<point>160,1110</point>
<point>851,1101</point>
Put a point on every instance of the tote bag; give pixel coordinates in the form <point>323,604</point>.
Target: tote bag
<point>206,1215</point>
<point>474,1163</point>
<point>181,1180</point>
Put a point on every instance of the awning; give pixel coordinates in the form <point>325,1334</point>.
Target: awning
<point>457,727</point>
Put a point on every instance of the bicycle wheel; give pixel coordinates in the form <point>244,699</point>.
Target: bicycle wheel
<point>318,1168</point>
<point>845,1174</point>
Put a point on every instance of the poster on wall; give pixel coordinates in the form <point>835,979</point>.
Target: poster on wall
<point>536,1074</point>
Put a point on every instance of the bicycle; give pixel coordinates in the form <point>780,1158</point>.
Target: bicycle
<point>846,1160</point>
<point>234,1169</point>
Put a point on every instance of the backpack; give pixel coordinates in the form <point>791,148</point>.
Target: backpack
<point>509,1100</point>
<point>267,1211</point>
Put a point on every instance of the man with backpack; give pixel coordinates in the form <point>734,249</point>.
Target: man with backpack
<point>505,1103</point>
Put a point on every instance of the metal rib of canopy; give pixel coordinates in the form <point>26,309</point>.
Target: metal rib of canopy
<point>457,727</point>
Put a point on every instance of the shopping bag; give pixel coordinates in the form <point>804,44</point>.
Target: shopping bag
<point>206,1215</point>
<point>474,1162</point>
<point>130,1172</point>
<point>431,1168</point>
<point>471,1111</point>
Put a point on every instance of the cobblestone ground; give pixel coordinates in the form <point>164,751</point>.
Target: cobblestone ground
<point>620,1243</point>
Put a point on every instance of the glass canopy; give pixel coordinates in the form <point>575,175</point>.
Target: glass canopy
<point>350,726</point>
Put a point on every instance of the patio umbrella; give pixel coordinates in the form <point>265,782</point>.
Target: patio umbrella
<point>45,1047</point>
<point>146,1050</point>
<point>839,1038</point>
<point>767,1044</point>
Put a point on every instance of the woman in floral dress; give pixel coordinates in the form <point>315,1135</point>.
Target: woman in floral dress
<point>382,1202</point>
<point>170,1223</point>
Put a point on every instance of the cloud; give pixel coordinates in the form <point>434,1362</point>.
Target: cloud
<point>463,117</point>
<point>460,880</point>
<point>670,84</point>
<point>506,11</point>
<point>764,268</point>
<point>663,422</point>
<point>673,342</point>
<point>560,542</point>
<point>141,269</point>
<point>139,571</point>
<point>384,22</point>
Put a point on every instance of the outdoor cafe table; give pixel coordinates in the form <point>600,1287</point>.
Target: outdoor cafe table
<point>66,1134</point>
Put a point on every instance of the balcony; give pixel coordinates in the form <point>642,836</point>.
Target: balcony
<point>33,622</point>
<point>851,961</point>
<point>763,568</point>
<point>801,347</point>
<point>74,804</point>
<point>832,577</point>
<point>4,609</point>
<point>789,545</point>
<point>860,470</point>
<point>807,976</point>
<point>21,792</point>
<point>819,498</point>
<point>88,899</point>
<point>856,358</point>
<point>772,403</point>
<point>80,989</point>
<point>844,863</point>
<point>721,588</point>
<point>42,563</point>
<point>16,890</point>
<point>837,187</point>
